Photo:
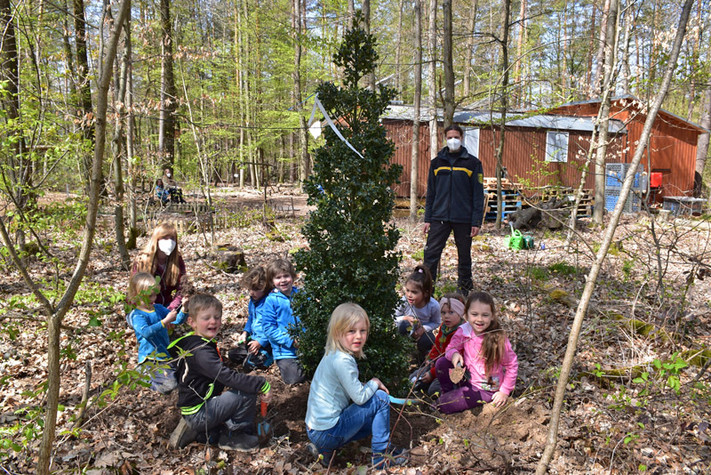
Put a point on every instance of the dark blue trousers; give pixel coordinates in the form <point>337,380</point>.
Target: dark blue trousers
<point>436,240</point>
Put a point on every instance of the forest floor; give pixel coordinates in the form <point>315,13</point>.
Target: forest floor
<point>639,398</point>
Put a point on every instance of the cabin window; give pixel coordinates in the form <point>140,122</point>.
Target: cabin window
<point>556,146</point>
<point>471,140</point>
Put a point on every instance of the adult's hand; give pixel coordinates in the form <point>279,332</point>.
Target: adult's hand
<point>426,228</point>
<point>475,231</point>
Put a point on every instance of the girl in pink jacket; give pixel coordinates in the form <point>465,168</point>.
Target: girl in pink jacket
<point>481,346</point>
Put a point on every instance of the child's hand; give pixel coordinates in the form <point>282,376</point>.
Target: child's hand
<point>499,399</point>
<point>457,360</point>
<point>169,319</point>
<point>426,378</point>
<point>253,347</point>
<point>242,338</point>
<point>410,319</point>
<point>266,397</point>
<point>380,385</point>
<point>417,334</point>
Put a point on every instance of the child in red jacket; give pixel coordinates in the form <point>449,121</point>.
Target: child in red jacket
<point>452,309</point>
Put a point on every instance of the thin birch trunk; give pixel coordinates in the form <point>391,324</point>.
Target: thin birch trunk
<point>470,50</point>
<point>415,150</point>
<point>431,77</point>
<point>608,68</point>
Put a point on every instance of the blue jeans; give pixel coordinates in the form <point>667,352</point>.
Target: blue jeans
<point>357,422</point>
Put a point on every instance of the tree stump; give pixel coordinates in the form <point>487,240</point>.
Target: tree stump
<point>230,259</point>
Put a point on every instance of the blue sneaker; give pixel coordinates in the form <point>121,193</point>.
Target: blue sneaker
<point>324,458</point>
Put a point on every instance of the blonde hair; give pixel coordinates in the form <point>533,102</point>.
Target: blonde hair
<point>139,284</point>
<point>343,318</point>
<point>146,261</point>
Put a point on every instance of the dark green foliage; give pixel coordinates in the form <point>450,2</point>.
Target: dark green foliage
<point>351,254</point>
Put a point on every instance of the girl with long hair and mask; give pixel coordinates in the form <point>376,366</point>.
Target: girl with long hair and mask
<point>161,258</point>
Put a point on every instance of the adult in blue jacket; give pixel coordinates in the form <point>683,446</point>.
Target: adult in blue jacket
<point>455,203</point>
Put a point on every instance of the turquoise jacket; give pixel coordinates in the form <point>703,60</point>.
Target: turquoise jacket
<point>152,336</point>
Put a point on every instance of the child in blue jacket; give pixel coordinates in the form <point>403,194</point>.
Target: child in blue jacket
<point>253,349</point>
<point>277,317</point>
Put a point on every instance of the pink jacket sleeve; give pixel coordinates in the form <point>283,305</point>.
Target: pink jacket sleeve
<point>456,345</point>
<point>510,365</point>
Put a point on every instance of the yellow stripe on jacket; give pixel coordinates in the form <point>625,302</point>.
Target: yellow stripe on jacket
<point>456,169</point>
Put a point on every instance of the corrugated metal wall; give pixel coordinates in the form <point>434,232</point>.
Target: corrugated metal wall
<point>400,132</point>
<point>524,156</point>
<point>672,148</point>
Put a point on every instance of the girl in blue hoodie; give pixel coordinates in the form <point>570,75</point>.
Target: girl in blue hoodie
<point>277,317</point>
<point>151,322</point>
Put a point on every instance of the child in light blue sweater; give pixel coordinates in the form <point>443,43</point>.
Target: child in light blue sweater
<point>341,409</point>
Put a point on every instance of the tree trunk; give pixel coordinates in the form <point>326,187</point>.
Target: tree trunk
<point>602,43</point>
<point>85,111</point>
<point>303,137</point>
<point>449,102</point>
<point>415,151</point>
<point>119,142</point>
<point>470,50</point>
<point>398,49</point>
<point>130,136</point>
<point>702,148</point>
<point>519,82</point>
<point>431,77</point>
<point>605,245</point>
<point>57,314</point>
<point>607,66</point>
<point>504,93</point>
<point>626,73</point>
<point>365,7</point>
<point>168,93</point>
<point>21,165</point>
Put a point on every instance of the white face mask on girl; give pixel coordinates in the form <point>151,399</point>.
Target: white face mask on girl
<point>454,144</point>
<point>166,246</point>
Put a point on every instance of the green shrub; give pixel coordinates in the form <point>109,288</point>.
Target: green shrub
<point>351,253</point>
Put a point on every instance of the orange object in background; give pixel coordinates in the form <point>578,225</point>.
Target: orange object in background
<point>655,180</point>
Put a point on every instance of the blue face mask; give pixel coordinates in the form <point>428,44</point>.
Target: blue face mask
<point>454,144</point>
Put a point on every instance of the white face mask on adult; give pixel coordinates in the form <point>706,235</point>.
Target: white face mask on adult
<point>454,144</point>
<point>167,246</point>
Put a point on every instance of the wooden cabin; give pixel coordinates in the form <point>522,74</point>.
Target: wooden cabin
<point>550,149</point>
